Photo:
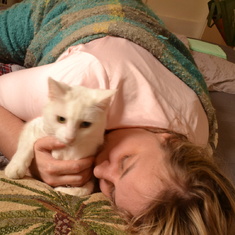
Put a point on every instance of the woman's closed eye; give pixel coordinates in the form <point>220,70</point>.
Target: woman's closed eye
<point>123,162</point>
<point>127,164</point>
<point>122,166</point>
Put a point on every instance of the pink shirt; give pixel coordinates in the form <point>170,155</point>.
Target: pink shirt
<point>149,95</point>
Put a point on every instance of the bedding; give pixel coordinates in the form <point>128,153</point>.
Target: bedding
<point>219,73</point>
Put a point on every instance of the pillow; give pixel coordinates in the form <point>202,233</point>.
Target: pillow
<point>28,206</point>
<point>219,73</point>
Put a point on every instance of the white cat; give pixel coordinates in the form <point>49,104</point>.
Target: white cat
<point>74,115</point>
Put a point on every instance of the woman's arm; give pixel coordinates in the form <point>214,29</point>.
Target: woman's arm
<point>10,129</point>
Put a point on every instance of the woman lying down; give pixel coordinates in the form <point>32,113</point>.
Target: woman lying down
<point>156,163</point>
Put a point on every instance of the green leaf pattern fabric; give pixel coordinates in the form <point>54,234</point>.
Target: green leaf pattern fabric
<point>28,206</point>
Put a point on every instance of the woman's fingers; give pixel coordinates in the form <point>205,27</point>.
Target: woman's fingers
<point>76,180</point>
<point>56,172</point>
<point>65,167</point>
<point>47,144</point>
<point>68,172</point>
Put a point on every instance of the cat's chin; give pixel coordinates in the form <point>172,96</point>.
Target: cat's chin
<point>65,142</point>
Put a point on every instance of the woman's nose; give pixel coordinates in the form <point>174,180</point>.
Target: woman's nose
<point>104,171</point>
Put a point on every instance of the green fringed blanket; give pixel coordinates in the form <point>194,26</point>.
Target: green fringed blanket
<point>34,33</point>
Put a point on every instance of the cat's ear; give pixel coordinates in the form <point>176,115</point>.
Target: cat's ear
<point>104,97</point>
<point>56,89</point>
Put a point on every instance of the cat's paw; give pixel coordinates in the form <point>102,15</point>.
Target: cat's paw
<point>77,191</point>
<point>15,170</point>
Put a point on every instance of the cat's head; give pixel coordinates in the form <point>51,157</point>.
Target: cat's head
<point>76,113</point>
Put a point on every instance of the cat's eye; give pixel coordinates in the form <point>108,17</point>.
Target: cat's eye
<point>61,119</point>
<point>85,124</point>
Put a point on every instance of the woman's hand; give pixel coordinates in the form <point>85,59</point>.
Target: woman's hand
<point>55,172</point>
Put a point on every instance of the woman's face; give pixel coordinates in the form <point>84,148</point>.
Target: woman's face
<point>130,167</point>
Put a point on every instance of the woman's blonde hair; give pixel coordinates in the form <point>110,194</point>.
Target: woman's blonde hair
<point>198,199</point>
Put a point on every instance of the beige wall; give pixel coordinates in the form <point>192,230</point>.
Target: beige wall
<point>188,17</point>
<point>185,9</point>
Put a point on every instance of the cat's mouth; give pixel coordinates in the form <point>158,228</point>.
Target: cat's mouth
<point>68,141</point>
<point>69,144</point>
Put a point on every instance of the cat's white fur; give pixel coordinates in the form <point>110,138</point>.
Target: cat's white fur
<point>74,115</point>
